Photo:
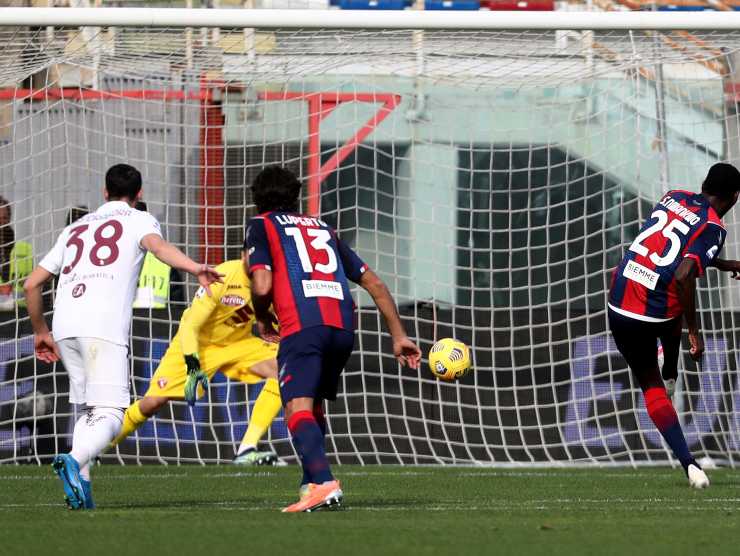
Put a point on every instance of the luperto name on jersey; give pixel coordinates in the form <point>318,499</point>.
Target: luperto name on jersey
<point>287,219</point>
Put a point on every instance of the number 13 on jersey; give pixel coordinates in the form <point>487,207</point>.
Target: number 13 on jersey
<point>320,242</point>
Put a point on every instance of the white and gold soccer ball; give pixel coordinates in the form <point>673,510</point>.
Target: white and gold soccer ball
<point>449,359</point>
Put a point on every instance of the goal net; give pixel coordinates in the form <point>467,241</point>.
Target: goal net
<point>492,178</point>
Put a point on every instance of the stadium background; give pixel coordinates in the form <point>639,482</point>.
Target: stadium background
<point>542,186</point>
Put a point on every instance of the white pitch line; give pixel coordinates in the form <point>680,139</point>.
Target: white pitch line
<point>238,474</point>
<point>555,474</point>
<point>51,477</point>
<point>564,505</point>
<point>37,505</point>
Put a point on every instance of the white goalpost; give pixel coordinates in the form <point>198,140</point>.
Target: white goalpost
<point>491,167</point>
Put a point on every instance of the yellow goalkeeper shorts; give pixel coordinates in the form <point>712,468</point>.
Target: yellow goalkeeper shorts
<point>235,361</point>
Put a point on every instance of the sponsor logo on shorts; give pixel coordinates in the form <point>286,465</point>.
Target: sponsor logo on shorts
<point>232,300</point>
<point>712,252</point>
<point>78,290</point>
<point>162,382</point>
<point>322,288</point>
<point>283,376</point>
<point>638,273</point>
<point>91,418</point>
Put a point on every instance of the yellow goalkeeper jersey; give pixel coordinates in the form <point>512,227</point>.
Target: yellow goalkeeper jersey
<point>221,319</point>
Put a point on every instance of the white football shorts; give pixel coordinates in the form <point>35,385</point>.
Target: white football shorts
<point>98,371</point>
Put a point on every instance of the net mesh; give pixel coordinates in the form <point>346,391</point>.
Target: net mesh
<point>493,179</point>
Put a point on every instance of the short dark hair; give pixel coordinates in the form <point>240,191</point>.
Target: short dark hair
<point>722,181</point>
<point>4,203</point>
<point>276,188</point>
<point>122,181</point>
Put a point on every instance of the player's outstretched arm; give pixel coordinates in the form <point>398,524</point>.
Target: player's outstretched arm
<point>191,323</point>
<point>728,266</point>
<point>44,344</point>
<point>171,255</point>
<point>686,285</point>
<point>406,351</point>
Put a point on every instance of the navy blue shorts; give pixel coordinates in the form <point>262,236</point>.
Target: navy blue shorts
<point>637,341</point>
<point>311,362</point>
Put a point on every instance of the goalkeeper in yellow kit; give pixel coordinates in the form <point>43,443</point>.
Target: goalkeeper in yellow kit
<point>215,334</point>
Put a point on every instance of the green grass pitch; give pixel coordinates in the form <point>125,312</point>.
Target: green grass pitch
<point>215,510</point>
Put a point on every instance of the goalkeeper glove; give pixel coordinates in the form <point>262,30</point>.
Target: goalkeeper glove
<point>195,377</point>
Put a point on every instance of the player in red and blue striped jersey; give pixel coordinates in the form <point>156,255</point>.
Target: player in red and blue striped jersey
<point>300,266</point>
<point>644,285</point>
<point>307,293</point>
<point>654,287</point>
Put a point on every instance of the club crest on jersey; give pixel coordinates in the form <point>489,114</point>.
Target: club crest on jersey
<point>78,290</point>
<point>232,300</point>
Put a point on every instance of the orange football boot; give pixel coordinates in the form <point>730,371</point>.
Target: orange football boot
<point>325,495</point>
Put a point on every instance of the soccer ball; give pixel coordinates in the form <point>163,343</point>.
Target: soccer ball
<point>449,359</point>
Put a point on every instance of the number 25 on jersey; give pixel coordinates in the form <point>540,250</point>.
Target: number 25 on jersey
<point>669,231</point>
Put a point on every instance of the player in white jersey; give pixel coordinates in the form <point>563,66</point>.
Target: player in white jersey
<point>98,259</point>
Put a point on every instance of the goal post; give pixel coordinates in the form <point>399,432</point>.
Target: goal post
<point>491,167</point>
<point>370,19</point>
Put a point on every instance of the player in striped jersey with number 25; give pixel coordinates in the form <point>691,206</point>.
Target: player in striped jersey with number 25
<point>98,259</point>
<point>298,264</point>
<point>654,287</point>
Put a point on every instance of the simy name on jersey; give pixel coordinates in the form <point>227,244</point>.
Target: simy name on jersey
<point>682,211</point>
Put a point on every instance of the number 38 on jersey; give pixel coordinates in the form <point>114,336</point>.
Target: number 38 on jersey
<point>104,250</point>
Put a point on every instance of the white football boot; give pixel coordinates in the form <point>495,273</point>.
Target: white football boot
<point>697,478</point>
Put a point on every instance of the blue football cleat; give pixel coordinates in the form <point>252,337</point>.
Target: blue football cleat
<point>68,472</point>
<point>87,490</point>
